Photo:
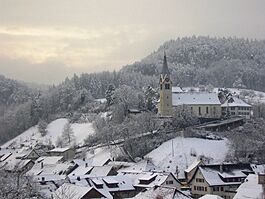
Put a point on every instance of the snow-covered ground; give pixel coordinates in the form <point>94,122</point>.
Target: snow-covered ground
<point>54,130</point>
<point>184,151</point>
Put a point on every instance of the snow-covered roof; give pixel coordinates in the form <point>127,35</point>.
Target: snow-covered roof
<point>98,171</point>
<point>195,98</point>
<point>235,102</point>
<point>60,150</point>
<point>209,196</point>
<point>144,165</point>
<point>193,165</point>
<point>81,170</point>
<point>176,89</point>
<point>213,175</point>
<point>5,156</point>
<point>156,179</point>
<point>110,180</point>
<point>123,183</point>
<point>163,192</point>
<point>49,159</point>
<point>73,191</point>
<point>49,178</point>
<point>148,177</point>
<point>250,188</point>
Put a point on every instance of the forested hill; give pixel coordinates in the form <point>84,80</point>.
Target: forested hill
<point>221,62</point>
<point>226,62</point>
<point>13,93</point>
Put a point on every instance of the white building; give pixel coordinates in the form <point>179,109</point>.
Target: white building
<point>235,106</point>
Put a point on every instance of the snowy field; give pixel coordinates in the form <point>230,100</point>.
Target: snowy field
<point>184,151</point>
<point>54,130</point>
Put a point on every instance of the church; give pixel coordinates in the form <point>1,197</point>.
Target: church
<point>201,104</point>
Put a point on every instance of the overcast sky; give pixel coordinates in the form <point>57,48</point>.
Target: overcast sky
<point>46,40</point>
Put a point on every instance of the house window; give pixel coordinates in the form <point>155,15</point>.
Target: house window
<point>222,188</point>
<point>169,182</point>
<point>167,86</point>
<point>205,188</point>
<point>199,180</point>
<point>200,110</point>
<point>161,87</point>
<point>207,110</point>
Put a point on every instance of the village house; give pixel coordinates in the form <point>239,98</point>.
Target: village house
<point>66,153</point>
<point>221,180</point>
<point>234,106</point>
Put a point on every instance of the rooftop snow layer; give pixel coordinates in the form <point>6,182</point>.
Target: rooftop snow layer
<point>194,98</point>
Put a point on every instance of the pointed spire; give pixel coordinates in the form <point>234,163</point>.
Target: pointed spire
<point>165,70</point>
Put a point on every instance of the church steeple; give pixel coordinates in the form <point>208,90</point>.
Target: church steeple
<point>165,70</point>
<point>165,104</point>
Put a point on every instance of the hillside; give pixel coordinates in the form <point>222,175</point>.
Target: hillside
<point>221,62</point>
<point>54,129</point>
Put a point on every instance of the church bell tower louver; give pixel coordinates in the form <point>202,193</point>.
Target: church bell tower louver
<point>165,83</point>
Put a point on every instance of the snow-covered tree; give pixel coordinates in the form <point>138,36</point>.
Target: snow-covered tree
<point>42,126</point>
<point>68,136</point>
<point>109,94</point>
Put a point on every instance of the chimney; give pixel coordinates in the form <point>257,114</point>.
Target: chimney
<point>221,168</point>
<point>261,178</point>
<point>78,178</point>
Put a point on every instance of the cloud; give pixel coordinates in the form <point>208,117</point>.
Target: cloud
<point>64,37</point>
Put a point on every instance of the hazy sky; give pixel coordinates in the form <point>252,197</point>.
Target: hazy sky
<point>46,40</point>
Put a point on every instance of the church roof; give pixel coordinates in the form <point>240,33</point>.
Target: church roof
<point>194,98</point>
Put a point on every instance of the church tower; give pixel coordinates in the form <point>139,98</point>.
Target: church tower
<point>165,83</point>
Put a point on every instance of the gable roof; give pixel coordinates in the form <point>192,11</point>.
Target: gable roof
<point>195,98</point>
<point>73,191</point>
